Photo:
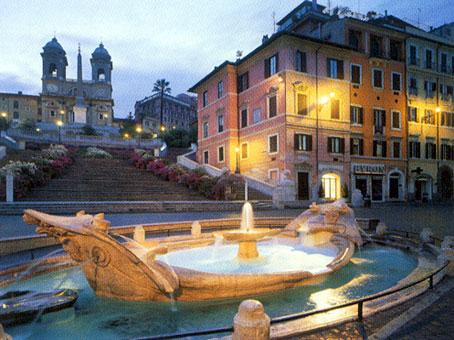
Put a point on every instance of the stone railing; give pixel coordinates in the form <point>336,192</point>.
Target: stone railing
<point>260,186</point>
<point>106,141</point>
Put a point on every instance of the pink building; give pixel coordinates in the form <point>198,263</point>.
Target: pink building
<point>285,106</point>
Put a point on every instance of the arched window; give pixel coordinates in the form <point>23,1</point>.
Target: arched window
<point>101,74</point>
<point>53,70</point>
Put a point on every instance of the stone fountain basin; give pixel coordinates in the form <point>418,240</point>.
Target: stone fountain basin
<point>249,235</point>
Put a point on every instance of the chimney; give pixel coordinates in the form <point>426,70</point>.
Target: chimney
<point>265,38</point>
<point>314,5</point>
<point>19,93</point>
<point>386,12</point>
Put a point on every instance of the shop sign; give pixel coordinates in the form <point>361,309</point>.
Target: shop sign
<point>368,168</point>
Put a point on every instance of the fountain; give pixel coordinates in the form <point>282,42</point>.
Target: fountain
<point>247,236</point>
<point>201,266</point>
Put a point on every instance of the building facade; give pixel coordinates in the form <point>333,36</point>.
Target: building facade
<point>76,101</point>
<point>178,112</point>
<point>331,99</point>
<point>18,107</point>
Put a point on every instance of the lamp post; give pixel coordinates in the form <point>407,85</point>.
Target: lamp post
<point>139,131</point>
<point>4,125</point>
<point>59,124</point>
<point>237,153</point>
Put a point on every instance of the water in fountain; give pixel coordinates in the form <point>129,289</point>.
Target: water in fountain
<point>139,250</point>
<point>218,242</point>
<point>247,217</point>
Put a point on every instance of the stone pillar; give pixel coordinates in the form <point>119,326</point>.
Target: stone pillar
<point>9,188</point>
<point>196,229</point>
<point>251,322</point>
<point>139,234</point>
<point>285,191</point>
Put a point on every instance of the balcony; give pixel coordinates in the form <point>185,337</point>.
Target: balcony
<point>446,97</point>
<point>377,53</point>
<point>430,95</point>
<point>379,129</point>
<point>430,66</point>
<point>413,91</point>
<point>445,69</point>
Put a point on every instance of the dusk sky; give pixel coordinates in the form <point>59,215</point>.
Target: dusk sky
<point>178,40</point>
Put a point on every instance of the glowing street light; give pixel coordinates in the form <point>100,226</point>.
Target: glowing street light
<point>324,100</point>
<point>38,130</point>
<point>438,110</point>
<point>4,115</point>
<point>139,131</point>
<point>163,128</point>
<point>332,94</point>
<point>126,135</point>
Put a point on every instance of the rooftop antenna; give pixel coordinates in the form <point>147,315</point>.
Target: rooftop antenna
<point>419,14</point>
<point>274,21</point>
<point>329,6</point>
<point>55,34</point>
<point>239,54</point>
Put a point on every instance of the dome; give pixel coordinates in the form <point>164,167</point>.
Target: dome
<point>53,45</point>
<point>101,52</point>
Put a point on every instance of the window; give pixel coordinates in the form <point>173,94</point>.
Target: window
<point>444,63</point>
<point>205,130</point>
<point>395,120</point>
<point>301,61</point>
<point>413,55</point>
<point>376,46</point>
<point>379,121</point>
<point>272,106</point>
<point>101,116</point>
<point>53,70</point>
<point>395,50</point>
<point>257,116</point>
<point>356,115</point>
<point>396,149</point>
<point>15,115</point>
<point>430,88</point>
<point>336,145</point>
<point>412,114</point>
<point>16,104</point>
<point>273,144</point>
<point>354,39</point>
<point>396,81</point>
<point>446,152</point>
<point>221,154</point>
<point>429,117</point>
<point>101,74</point>
<point>356,146</point>
<point>356,74</point>
<point>243,118</point>
<point>414,149</point>
<point>302,104</point>
<point>52,113</point>
<point>377,78</point>
<point>273,175</point>
<point>243,82</point>
<point>271,66</point>
<point>303,142</point>
<point>220,123</point>
<point>413,87</point>
<point>447,119</point>
<point>205,157</point>
<point>431,150</point>
<point>335,68</point>
<point>335,109</point>
<point>429,59</point>
<point>379,148</point>
<point>220,89</point>
<point>244,150</point>
<point>205,98</point>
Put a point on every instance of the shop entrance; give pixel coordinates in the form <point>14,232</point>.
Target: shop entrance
<point>394,180</point>
<point>377,188</point>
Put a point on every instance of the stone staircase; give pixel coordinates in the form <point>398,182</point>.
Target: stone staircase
<point>110,180</point>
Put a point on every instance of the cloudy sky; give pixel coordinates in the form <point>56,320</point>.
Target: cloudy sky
<point>179,40</point>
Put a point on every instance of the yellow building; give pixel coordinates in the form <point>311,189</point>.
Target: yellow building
<point>17,107</point>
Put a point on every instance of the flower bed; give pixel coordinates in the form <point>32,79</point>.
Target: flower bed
<point>49,163</point>
<point>225,187</point>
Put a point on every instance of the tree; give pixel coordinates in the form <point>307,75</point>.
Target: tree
<point>162,87</point>
<point>178,138</point>
<point>89,130</point>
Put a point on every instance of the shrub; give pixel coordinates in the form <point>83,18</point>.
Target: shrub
<point>89,130</point>
<point>54,151</point>
<point>93,152</point>
<point>344,191</point>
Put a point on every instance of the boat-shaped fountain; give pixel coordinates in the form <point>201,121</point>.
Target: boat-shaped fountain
<point>206,266</point>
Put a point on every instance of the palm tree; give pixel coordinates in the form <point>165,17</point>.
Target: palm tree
<point>162,87</point>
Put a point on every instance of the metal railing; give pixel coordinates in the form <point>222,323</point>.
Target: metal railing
<point>301,315</point>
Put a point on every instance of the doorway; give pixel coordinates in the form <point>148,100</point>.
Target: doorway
<point>377,188</point>
<point>303,186</point>
<point>331,186</point>
<point>394,180</point>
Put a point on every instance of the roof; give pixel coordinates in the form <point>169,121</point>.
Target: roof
<point>268,42</point>
<point>100,52</point>
<point>166,96</point>
<point>7,94</point>
<point>53,45</point>
<point>306,3</point>
<point>391,20</point>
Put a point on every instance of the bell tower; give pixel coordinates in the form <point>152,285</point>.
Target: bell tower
<point>101,65</point>
<point>54,63</point>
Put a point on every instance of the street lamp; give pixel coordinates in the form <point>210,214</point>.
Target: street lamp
<point>139,131</point>
<point>4,115</point>
<point>59,124</point>
<point>237,167</point>
<point>163,128</point>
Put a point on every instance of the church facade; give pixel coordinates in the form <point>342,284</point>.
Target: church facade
<point>76,102</point>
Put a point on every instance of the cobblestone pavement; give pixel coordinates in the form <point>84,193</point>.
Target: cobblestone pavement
<point>436,322</point>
